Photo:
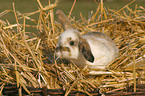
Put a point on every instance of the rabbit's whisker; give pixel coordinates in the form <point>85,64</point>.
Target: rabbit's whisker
<point>58,57</point>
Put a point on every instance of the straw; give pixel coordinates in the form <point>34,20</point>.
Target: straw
<point>72,9</point>
<point>134,73</point>
<point>28,60</point>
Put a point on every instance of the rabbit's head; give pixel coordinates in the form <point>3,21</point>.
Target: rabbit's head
<point>71,44</point>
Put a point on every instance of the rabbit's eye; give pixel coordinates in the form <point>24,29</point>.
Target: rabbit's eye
<point>71,43</point>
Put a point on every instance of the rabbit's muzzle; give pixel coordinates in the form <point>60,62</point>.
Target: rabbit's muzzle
<point>60,49</point>
<point>63,52</point>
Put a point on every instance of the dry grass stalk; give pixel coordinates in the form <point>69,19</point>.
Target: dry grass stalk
<point>29,61</point>
<point>71,9</point>
<point>134,73</point>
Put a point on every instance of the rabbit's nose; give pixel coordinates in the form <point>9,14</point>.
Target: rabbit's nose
<point>59,48</point>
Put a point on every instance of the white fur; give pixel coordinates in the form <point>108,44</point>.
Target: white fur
<point>63,41</point>
<point>93,49</point>
<point>102,53</point>
<point>99,47</point>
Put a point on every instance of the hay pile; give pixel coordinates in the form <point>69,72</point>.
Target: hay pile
<point>28,60</point>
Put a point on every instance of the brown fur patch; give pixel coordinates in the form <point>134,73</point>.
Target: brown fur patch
<point>60,48</point>
<point>86,50</point>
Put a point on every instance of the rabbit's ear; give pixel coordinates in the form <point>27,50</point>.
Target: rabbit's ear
<point>86,50</point>
<point>64,20</point>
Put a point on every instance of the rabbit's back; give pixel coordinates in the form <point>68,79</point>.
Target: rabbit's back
<point>103,49</point>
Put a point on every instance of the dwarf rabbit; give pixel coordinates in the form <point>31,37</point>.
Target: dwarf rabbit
<point>94,49</point>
